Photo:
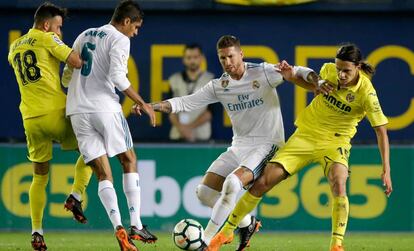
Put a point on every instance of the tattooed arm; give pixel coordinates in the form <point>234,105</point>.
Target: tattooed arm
<point>163,106</point>
<point>197,100</point>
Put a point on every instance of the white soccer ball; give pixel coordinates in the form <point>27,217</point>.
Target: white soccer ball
<point>188,234</point>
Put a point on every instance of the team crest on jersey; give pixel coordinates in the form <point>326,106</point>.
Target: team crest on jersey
<point>224,83</point>
<point>57,40</point>
<point>350,97</point>
<point>255,84</point>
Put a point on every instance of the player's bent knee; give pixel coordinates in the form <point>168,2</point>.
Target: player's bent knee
<point>232,184</point>
<point>338,186</point>
<point>128,163</point>
<point>259,187</point>
<point>207,195</point>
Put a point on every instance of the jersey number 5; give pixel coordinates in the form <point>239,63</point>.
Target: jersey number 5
<point>86,55</point>
<point>28,70</point>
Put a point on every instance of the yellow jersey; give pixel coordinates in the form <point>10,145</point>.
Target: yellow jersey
<point>338,113</point>
<point>35,58</point>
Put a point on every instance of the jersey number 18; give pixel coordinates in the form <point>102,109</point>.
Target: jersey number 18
<point>28,70</point>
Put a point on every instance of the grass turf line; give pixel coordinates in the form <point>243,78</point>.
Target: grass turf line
<point>275,241</point>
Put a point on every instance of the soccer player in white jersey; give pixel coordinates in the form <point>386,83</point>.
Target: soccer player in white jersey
<point>96,115</point>
<point>323,135</point>
<point>247,92</point>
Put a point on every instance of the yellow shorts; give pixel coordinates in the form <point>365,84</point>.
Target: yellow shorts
<point>303,148</point>
<point>42,131</point>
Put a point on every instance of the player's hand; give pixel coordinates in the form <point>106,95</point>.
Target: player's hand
<point>324,87</point>
<point>285,69</point>
<point>147,108</point>
<point>136,109</point>
<point>387,183</point>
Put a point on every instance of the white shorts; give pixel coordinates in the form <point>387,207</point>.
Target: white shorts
<point>253,157</point>
<point>101,133</point>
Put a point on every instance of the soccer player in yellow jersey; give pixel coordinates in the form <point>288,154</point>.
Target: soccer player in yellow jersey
<point>35,58</point>
<point>324,131</point>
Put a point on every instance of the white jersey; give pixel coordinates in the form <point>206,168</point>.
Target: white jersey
<point>105,52</point>
<point>252,103</point>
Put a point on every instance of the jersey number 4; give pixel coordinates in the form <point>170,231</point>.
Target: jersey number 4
<point>87,57</point>
<point>27,67</point>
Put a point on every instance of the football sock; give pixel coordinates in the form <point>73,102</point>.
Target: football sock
<point>40,231</point>
<point>109,200</point>
<point>83,174</point>
<point>132,192</point>
<point>340,210</point>
<point>37,200</point>
<point>245,205</point>
<point>209,197</point>
<point>221,210</point>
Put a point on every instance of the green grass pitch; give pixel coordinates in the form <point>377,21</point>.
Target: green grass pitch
<point>101,241</point>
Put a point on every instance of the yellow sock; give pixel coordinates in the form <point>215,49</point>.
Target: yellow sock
<point>245,205</point>
<point>340,210</point>
<point>37,199</point>
<point>83,174</point>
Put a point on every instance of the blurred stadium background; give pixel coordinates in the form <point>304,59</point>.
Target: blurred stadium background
<point>302,32</point>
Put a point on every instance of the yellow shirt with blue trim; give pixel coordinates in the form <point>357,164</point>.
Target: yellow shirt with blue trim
<point>339,112</point>
<point>35,58</point>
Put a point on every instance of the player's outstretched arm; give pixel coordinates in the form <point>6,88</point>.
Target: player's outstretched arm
<point>140,104</point>
<point>297,75</point>
<point>163,106</point>
<point>304,77</point>
<point>197,100</point>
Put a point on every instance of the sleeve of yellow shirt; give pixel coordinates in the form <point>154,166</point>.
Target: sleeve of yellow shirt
<point>323,71</point>
<point>9,57</point>
<point>373,109</point>
<point>328,72</point>
<point>56,47</point>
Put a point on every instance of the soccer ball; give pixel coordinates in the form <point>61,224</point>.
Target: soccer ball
<point>188,234</point>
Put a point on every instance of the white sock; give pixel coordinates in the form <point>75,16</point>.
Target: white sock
<point>132,192</point>
<point>40,231</point>
<point>210,231</point>
<point>223,207</point>
<point>109,200</point>
<point>245,221</point>
<point>76,195</point>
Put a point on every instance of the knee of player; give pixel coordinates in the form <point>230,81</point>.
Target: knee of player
<point>338,186</point>
<point>207,195</point>
<point>232,184</point>
<point>260,186</point>
<point>201,194</point>
<point>102,175</point>
<point>41,168</point>
<point>129,164</point>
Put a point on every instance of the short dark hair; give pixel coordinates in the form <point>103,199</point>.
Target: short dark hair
<point>48,10</point>
<point>127,9</point>
<point>193,46</point>
<point>351,53</point>
<point>228,41</point>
